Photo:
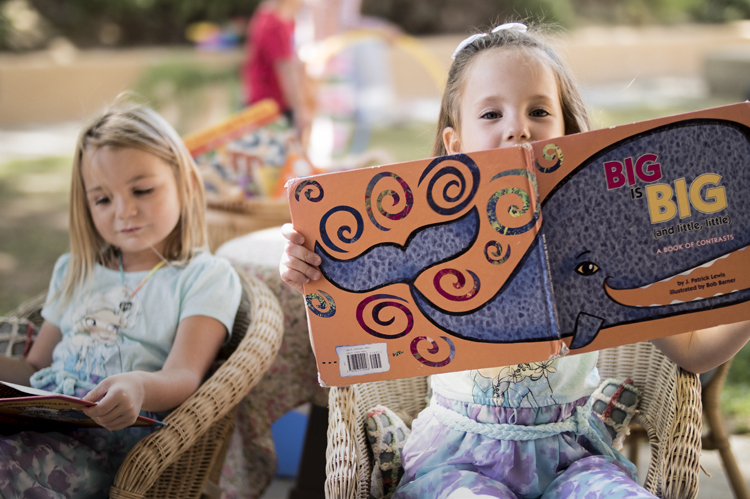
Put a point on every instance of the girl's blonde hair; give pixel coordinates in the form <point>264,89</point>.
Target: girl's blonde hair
<point>531,43</point>
<point>128,124</point>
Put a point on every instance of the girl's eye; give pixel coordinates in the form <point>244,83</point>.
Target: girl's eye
<point>587,268</point>
<point>491,115</point>
<point>539,113</point>
<point>101,200</point>
<point>143,192</point>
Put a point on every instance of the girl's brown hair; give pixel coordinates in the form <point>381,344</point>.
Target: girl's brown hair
<point>128,124</point>
<point>533,44</point>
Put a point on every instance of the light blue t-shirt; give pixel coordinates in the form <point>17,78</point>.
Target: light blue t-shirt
<point>107,329</point>
<point>534,384</point>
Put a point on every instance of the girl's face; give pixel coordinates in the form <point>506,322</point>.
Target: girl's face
<point>508,98</point>
<point>134,202</point>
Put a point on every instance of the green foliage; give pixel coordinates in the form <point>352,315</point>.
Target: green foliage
<point>34,203</point>
<point>735,397</point>
<point>404,142</point>
<point>176,80</point>
<point>89,23</point>
<point>735,406</point>
<point>187,88</point>
<point>138,22</point>
<point>5,28</point>
<point>720,10</point>
<point>433,16</point>
<point>739,373</point>
<point>634,11</point>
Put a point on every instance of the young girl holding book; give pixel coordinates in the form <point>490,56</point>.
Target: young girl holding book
<point>506,88</point>
<point>135,313</point>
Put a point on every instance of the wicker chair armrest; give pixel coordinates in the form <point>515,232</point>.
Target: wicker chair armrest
<point>30,309</point>
<point>682,447</point>
<point>342,454</point>
<point>217,396</point>
<point>669,412</point>
<point>348,455</point>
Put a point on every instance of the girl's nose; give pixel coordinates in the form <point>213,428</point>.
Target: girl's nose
<point>125,208</point>
<point>517,131</point>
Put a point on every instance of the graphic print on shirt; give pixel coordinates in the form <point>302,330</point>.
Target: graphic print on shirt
<point>517,385</point>
<point>94,348</point>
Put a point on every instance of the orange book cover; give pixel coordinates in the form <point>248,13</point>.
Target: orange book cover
<point>31,408</point>
<point>514,255</point>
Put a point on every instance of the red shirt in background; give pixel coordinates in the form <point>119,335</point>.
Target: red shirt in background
<point>269,41</point>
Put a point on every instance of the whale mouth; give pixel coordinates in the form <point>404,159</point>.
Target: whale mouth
<point>724,275</point>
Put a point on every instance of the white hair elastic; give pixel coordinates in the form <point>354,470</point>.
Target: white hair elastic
<point>468,41</point>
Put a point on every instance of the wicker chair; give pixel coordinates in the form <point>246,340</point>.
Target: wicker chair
<point>184,459</point>
<point>670,411</point>
<point>227,220</point>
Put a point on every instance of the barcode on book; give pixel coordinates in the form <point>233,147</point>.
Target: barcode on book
<point>358,360</point>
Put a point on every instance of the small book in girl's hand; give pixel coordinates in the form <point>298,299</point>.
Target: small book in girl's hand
<point>31,408</point>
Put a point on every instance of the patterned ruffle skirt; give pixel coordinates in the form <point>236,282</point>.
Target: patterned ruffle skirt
<point>450,456</point>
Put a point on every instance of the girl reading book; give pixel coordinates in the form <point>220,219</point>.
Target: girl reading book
<point>506,88</point>
<point>135,313</point>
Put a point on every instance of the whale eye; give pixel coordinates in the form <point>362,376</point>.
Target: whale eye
<point>587,268</point>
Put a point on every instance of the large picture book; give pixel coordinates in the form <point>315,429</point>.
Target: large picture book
<point>22,406</point>
<point>516,255</point>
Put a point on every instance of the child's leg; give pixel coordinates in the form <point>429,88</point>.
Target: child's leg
<point>595,477</point>
<point>74,464</point>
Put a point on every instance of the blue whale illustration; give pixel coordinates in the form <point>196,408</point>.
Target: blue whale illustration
<point>391,263</point>
<point>610,244</point>
<point>612,241</point>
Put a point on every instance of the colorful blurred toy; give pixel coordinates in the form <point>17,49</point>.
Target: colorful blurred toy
<point>210,36</point>
<point>250,155</point>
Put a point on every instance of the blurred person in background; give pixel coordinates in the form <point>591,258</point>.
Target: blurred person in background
<point>354,86</point>
<point>272,68</point>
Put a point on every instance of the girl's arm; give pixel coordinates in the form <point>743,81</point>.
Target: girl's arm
<point>298,264</point>
<point>291,76</point>
<point>19,371</point>
<point>122,396</point>
<point>701,351</point>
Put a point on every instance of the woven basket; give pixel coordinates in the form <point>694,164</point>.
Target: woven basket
<point>229,219</point>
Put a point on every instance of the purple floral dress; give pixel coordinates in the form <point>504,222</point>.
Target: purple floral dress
<point>505,433</point>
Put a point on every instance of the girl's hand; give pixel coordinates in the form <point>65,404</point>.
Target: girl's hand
<point>120,398</point>
<point>298,264</point>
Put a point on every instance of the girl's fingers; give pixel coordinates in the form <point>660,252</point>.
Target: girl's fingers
<point>294,247</point>
<point>293,278</point>
<point>97,392</point>
<point>297,270</point>
<point>115,419</point>
<point>116,423</point>
<point>298,264</point>
<point>287,230</point>
<point>293,250</point>
<point>98,411</point>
